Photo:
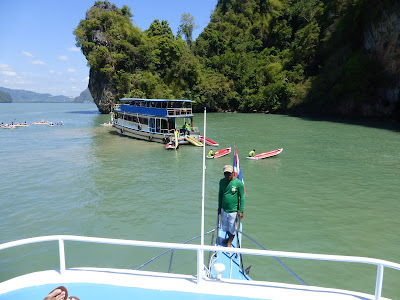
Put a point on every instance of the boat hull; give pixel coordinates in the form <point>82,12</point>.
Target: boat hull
<point>208,141</point>
<point>266,154</point>
<point>221,153</point>
<point>144,135</point>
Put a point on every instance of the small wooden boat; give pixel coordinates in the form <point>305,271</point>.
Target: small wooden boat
<point>40,122</point>
<point>208,141</point>
<point>51,124</point>
<point>221,153</point>
<point>266,154</point>
<point>8,126</point>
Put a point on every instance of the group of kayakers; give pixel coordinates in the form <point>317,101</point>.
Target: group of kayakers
<point>12,124</point>
<point>25,124</point>
<point>251,153</point>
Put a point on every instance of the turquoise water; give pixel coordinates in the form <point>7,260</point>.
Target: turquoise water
<point>334,190</point>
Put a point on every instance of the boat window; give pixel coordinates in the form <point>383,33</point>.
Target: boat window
<point>164,124</point>
<point>171,123</point>
<point>151,124</point>
<point>134,119</point>
<point>144,121</point>
<point>158,128</point>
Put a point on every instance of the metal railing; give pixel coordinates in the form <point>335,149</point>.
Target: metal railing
<point>179,111</point>
<point>381,264</point>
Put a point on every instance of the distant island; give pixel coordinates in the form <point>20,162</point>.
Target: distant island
<point>23,96</point>
<point>5,97</point>
<point>84,97</point>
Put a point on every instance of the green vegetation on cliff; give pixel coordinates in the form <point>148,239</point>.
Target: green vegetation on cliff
<point>255,55</point>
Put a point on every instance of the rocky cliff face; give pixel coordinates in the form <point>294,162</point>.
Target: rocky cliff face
<point>382,41</point>
<point>102,90</point>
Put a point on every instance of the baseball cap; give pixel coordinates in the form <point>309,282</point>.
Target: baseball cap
<point>228,168</point>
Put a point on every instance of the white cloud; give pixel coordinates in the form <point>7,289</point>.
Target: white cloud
<point>38,62</point>
<point>6,70</point>
<point>74,49</point>
<point>71,70</point>
<point>9,73</point>
<point>63,57</point>
<point>26,53</point>
<point>51,72</point>
<point>4,66</point>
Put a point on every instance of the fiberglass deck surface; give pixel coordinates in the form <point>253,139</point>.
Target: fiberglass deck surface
<point>230,260</point>
<point>86,291</point>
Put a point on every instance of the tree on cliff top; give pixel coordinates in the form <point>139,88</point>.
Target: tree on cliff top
<point>186,27</point>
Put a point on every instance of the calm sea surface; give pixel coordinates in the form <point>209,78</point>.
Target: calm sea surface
<point>334,189</point>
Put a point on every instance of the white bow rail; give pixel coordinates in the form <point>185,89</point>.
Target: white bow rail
<point>381,264</point>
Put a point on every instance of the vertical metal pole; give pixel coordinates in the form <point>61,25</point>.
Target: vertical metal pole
<point>379,281</point>
<point>62,255</point>
<point>170,261</point>
<point>200,255</point>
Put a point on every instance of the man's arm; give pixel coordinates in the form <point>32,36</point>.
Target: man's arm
<point>242,198</point>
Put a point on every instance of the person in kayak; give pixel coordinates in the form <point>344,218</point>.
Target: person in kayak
<point>231,200</point>
<point>211,153</point>
<point>252,153</point>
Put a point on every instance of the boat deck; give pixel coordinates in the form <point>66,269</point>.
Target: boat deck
<point>91,284</point>
<point>101,283</point>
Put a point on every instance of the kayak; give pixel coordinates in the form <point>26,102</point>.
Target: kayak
<point>175,143</point>
<point>266,154</point>
<point>208,141</point>
<point>170,145</point>
<point>220,153</point>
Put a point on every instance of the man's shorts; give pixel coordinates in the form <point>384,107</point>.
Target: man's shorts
<point>228,221</point>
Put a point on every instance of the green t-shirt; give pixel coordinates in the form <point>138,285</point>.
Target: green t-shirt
<point>229,191</point>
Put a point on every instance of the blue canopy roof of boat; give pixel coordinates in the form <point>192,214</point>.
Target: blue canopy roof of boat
<point>156,100</point>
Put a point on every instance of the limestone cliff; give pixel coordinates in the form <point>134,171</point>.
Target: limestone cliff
<point>101,87</point>
<point>382,41</point>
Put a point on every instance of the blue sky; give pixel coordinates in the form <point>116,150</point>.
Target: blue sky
<point>38,52</point>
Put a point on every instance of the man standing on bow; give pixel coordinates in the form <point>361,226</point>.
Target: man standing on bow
<point>231,199</point>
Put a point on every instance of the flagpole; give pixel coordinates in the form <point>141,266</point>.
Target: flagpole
<point>200,266</point>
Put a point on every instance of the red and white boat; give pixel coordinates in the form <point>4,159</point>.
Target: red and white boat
<point>208,141</point>
<point>266,154</point>
<point>221,153</point>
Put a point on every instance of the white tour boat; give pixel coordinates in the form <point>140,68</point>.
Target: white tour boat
<point>156,120</point>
